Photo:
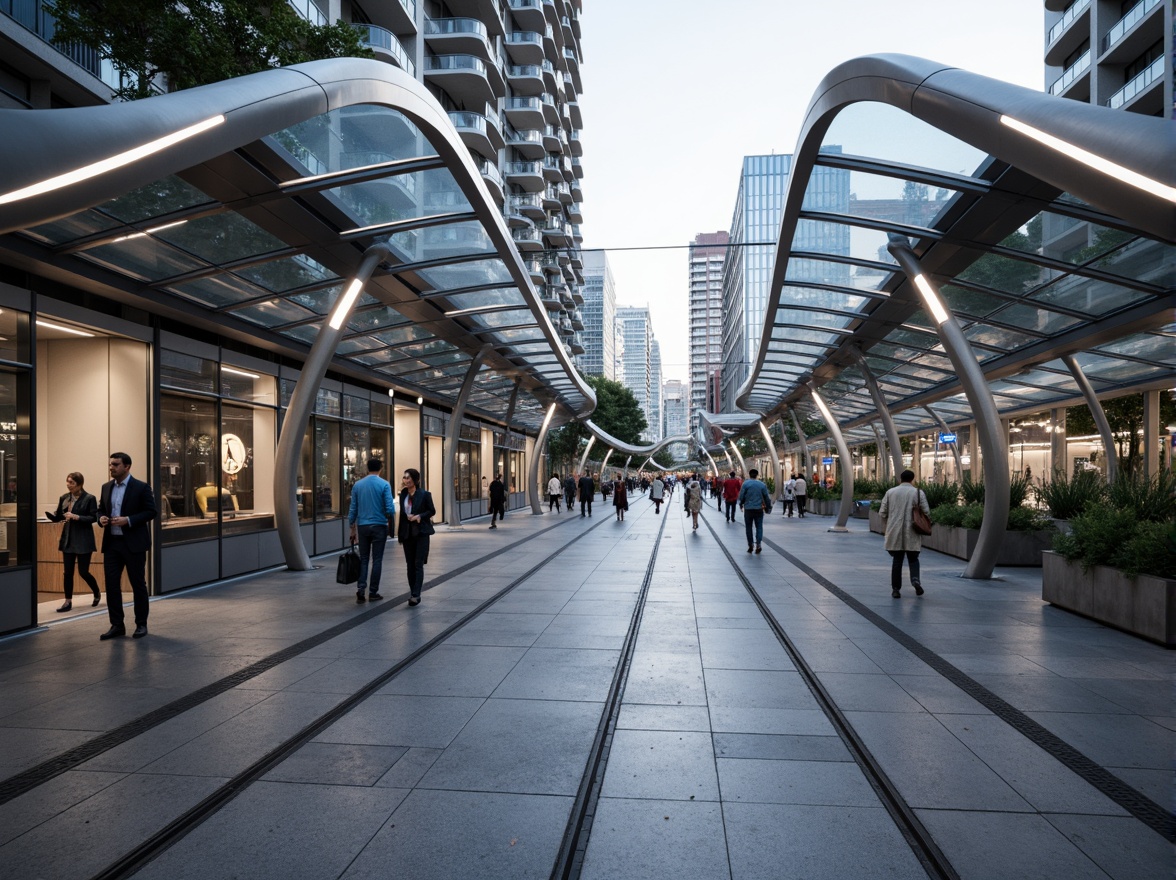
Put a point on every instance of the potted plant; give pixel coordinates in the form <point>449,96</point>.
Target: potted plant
<point>1028,532</point>
<point>1067,497</point>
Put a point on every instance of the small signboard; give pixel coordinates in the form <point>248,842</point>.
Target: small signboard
<point>947,438</point>
<point>827,462</point>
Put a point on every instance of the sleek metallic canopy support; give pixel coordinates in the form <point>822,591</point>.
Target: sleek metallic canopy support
<point>955,447</point>
<point>846,508</point>
<point>727,452</point>
<point>739,456</point>
<point>584,457</point>
<point>302,399</point>
<point>1100,417</point>
<point>625,471</point>
<point>533,468</point>
<point>993,441</point>
<point>883,411</point>
<point>712,460</point>
<point>808,458</point>
<point>449,470</point>
<point>778,479</point>
<point>604,464</point>
<point>883,456</point>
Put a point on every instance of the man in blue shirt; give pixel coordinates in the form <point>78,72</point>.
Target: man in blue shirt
<point>372,509</point>
<point>754,501</point>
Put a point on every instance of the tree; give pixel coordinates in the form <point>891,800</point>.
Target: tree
<point>617,413</point>
<point>196,42</point>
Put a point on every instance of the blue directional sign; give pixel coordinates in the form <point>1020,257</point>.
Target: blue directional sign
<point>947,438</point>
<point>826,461</point>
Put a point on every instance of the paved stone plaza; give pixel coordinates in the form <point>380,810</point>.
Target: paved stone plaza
<point>468,761</point>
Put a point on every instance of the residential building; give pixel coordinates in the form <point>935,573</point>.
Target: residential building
<point>708,256</point>
<point>600,317</point>
<point>675,404</point>
<point>635,367</point>
<point>655,390</point>
<point>1114,54</point>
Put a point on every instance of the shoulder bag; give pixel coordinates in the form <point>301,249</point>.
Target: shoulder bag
<point>347,570</point>
<point>920,522</point>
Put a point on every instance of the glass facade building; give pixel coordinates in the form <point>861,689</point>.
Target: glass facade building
<point>600,317</point>
<point>708,257</point>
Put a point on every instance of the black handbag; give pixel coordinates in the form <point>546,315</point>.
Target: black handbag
<point>347,571</point>
<point>920,522</point>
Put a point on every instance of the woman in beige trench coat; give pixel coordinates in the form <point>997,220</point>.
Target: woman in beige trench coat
<point>898,505</point>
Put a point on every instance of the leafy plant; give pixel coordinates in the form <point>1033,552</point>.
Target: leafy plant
<point>1019,487</point>
<point>971,516</point>
<point>1067,497</point>
<point>949,515</point>
<point>820,493</point>
<point>939,494</point>
<point>1151,500</point>
<point>1118,538</point>
<point>972,490</point>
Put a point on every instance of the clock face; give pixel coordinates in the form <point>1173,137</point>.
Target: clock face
<point>232,454</point>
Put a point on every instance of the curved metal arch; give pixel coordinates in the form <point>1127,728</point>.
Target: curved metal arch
<point>971,108</point>
<point>113,155</point>
<point>629,449</point>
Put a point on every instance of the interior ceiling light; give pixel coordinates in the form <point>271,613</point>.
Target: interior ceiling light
<point>343,307</point>
<point>237,372</point>
<point>1098,163</point>
<point>150,231</point>
<point>48,326</point>
<point>105,165</point>
<point>938,312</point>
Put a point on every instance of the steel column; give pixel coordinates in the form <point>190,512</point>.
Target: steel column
<point>712,460</point>
<point>449,465</point>
<point>1151,433</point>
<point>778,481</point>
<point>584,457</point>
<point>979,395</point>
<point>883,453</point>
<point>739,456</point>
<point>1057,441</point>
<point>726,452</point>
<point>302,405</point>
<point>846,508</point>
<point>955,447</point>
<point>883,411</point>
<point>533,467</point>
<point>808,458</point>
<point>1100,417</point>
<point>625,474</point>
<point>604,464</point>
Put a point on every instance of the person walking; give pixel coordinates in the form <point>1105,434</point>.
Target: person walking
<point>587,491</point>
<point>789,495</point>
<point>416,525</point>
<point>569,489</point>
<point>731,487</point>
<point>372,508</point>
<point>78,509</point>
<point>554,492</point>
<point>620,498</point>
<point>497,500</point>
<point>126,507</point>
<point>800,492</point>
<point>657,493</point>
<point>693,498</point>
<point>754,501</point>
<point>898,506</point>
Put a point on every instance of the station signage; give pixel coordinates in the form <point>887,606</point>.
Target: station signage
<point>947,438</point>
<point>827,462</point>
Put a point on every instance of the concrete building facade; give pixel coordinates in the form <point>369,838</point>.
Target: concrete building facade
<point>708,257</point>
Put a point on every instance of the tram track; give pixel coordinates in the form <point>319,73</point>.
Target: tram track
<point>914,832</point>
<point>37,775</point>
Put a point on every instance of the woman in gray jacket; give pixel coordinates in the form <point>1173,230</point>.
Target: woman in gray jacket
<point>898,505</point>
<point>78,509</point>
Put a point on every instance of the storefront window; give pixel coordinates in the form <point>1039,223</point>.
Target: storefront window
<point>16,513</point>
<point>190,491</point>
<point>328,403</point>
<point>14,336</point>
<point>356,452</point>
<point>187,372</point>
<point>328,470</point>
<point>243,385</point>
<point>247,468</point>
<point>1029,446</point>
<point>356,408</point>
<point>306,476</point>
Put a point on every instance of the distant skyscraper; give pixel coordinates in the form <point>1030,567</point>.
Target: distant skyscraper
<point>708,256</point>
<point>655,390</point>
<point>675,403</point>
<point>635,371</point>
<point>600,317</point>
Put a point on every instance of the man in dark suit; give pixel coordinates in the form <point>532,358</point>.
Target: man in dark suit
<point>125,511</point>
<point>497,501</point>
<point>416,525</point>
<point>587,490</point>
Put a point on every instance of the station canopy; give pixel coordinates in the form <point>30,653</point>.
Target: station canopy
<point>1037,254</point>
<point>256,229</point>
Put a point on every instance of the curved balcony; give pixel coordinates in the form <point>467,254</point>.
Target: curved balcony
<point>462,76</point>
<point>577,189</point>
<point>549,298</point>
<point>577,168</point>
<point>493,180</point>
<point>1071,74</point>
<point>1138,85</point>
<point>526,175</point>
<point>527,238</point>
<point>566,23</point>
<point>525,47</point>
<point>1063,38</point>
<point>556,232</point>
<point>574,213</point>
<point>528,14</point>
<point>1123,42</point>
<point>550,110</point>
<point>399,16</point>
<point>574,144</point>
<point>552,138</point>
<point>385,46</point>
<point>575,115</point>
<point>535,270</point>
<point>524,111</point>
<point>474,129</point>
<point>550,80</point>
<point>458,36</point>
<point>525,79</point>
<point>577,348</point>
<point>578,294</point>
<point>577,320</point>
<point>528,144</point>
<point>553,168</point>
<point>563,190</point>
<point>527,205</point>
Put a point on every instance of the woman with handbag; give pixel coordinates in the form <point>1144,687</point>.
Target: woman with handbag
<point>78,509</point>
<point>620,495</point>
<point>898,510</point>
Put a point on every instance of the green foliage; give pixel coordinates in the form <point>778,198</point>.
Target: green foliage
<point>972,490</point>
<point>818,492</point>
<point>771,484</point>
<point>875,505</point>
<point>1066,497</point>
<point>971,516</point>
<point>1151,500</point>
<point>949,515</point>
<point>617,413</point>
<point>196,42</point>
<point>940,494</point>
<point>1118,538</point>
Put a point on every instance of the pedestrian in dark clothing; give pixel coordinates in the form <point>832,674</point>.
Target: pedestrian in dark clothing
<point>416,525</point>
<point>754,501</point>
<point>125,508</point>
<point>78,509</point>
<point>587,492</point>
<point>372,509</point>
<point>497,501</point>
<point>898,505</point>
<point>731,487</point>
<point>620,499</point>
<point>570,491</point>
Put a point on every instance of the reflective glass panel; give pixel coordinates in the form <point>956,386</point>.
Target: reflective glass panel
<point>288,273</point>
<point>351,137</point>
<point>155,199</point>
<point>222,238</point>
<point>390,200</point>
<point>274,313</point>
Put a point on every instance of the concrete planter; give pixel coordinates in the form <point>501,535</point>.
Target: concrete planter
<point>861,510</point>
<point>828,507</point>
<point>1017,548</point>
<point>1145,606</point>
<point>876,522</point>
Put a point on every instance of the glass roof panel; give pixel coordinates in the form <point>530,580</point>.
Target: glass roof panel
<point>880,131</point>
<point>1036,319</point>
<point>998,337</point>
<point>891,199</point>
<point>288,273</point>
<point>351,137</point>
<point>217,291</point>
<point>1089,295</point>
<point>502,296</point>
<point>1111,369</point>
<point>961,300</point>
<point>221,238</point>
<point>1006,274</point>
<point>69,228</point>
<point>404,333</point>
<point>453,240</point>
<point>839,239</point>
<point>274,313</point>
<point>1157,347</point>
<point>471,274</point>
<point>164,196</point>
<point>840,274</point>
<point>1142,260</point>
<point>375,319</point>
<point>144,257</point>
<point>321,301</point>
<point>491,320</point>
<point>404,197</point>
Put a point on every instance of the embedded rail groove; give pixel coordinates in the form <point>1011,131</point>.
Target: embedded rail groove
<point>570,860</point>
<point>27,780</point>
<point>180,827</point>
<point>922,844</point>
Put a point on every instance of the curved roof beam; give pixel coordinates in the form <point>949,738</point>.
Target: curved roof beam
<point>628,449</point>
<point>67,160</point>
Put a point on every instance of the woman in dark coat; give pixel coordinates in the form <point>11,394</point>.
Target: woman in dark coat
<point>620,499</point>
<point>78,509</point>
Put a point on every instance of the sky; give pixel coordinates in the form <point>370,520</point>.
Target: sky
<point>677,92</point>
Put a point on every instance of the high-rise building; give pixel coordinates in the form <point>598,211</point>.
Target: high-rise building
<point>508,75</point>
<point>675,408</point>
<point>754,226</point>
<point>708,256</point>
<point>600,317</point>
<point>635,367</point>
<point>655,391</point>
<point>1115,54</point>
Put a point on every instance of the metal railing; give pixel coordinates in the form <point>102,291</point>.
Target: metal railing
<point>1138,83</point>
<point>449,26</point>
<point>1120,28</point>
<point>381,38</point>
<point>456,62</point>
<point>1071,73</point>
<point>1072,12</point>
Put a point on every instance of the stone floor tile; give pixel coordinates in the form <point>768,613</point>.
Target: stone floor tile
<point>1122,847</point>
<point>336,764</point>
<point>400,720</point>
<point>1101,738</point>
<point>752,780</point>
<point>780,747</point>
<point>48,800</point>
<point>637,716</point>
<point>560,674</point>
<point>656,840</point>
<point>455,670</point>
<point>661,765</point>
